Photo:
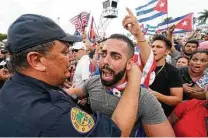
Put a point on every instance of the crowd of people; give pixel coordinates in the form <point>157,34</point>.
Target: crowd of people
<point>57,84</point>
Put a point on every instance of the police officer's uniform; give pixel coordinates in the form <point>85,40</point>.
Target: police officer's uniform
<point>30,107</point>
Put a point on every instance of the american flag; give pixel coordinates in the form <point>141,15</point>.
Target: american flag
<point>80,21</point>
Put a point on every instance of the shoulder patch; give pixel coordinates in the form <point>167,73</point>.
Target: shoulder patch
<point>81,121</point>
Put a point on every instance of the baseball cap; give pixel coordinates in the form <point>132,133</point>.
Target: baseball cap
<point>79,45</point>
<point>30,30</point>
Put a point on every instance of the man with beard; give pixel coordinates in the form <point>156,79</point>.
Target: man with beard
<point>32,103</point>
<point>188,49</point>
<point>105,91</point>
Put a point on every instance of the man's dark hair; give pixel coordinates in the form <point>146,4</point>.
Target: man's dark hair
<point>192,42</point>
<point>125,39</point>
<point>199,51</point>
<point>18,61</point>
<point>167,42</point>
<point>182,57</point>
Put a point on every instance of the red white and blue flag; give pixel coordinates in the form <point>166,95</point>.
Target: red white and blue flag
<point>147,68</point>
<point>152,10</point>
<point>80,21</point>
<point>92,34</point>
<point>182,24</point>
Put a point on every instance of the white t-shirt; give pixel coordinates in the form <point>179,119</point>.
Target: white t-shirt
<point>82,71</point>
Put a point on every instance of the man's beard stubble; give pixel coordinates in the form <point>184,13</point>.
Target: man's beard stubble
<point>117,77</point>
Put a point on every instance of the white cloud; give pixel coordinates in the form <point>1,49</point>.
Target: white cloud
<point>66,9</point>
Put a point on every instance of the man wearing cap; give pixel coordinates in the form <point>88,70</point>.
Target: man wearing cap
<point>32,103</point>
<point>82,71</point>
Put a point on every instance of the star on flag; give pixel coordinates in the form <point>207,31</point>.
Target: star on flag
<point>186,23</point>
<point>162,6</point>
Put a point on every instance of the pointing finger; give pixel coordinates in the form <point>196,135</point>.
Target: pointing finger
<point>129,11</point>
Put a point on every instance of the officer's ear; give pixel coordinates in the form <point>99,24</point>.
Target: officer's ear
<point>35,60</point>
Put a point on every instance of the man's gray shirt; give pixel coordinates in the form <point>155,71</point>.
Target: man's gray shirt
<point>150,110</point>
<point>174,57</point>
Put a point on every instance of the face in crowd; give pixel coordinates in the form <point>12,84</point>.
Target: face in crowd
<point>182,62</point>
<point>198,62</point>
<point>190,47</point>
<point>114,61</point>
<point>78,53</point>
<point>160,47</point>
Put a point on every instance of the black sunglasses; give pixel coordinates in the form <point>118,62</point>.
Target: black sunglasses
<point>75,50</point>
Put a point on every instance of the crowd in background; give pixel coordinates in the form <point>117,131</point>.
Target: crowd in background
<point>176,96</point>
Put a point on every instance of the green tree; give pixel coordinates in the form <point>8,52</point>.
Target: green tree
<point>3,36</point>
<point>194,20</point>
<point>203,16</point>
<point>167,19</point>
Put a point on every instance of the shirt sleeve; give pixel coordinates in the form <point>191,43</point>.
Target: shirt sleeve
<point>90,83</point>
<point>175,54</point>
<point>86,85</point>
<point>150,108</point>
<point>183,107</point>
<point>77,123</point>
<point>175,79</point>
<point>85,74</point>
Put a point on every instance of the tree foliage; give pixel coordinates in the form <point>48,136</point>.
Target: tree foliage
<point>203,17</point>
<point>167,19</point>
<point>3,36</point>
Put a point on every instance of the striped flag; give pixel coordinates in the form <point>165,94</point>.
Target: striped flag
<point>80,21</point>
<point>147,69</point>
<point>151,29</point>
<point>152,10</point>
<point>183,24</point>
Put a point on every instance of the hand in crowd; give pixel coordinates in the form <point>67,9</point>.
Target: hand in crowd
<point>154,93</point>
<point>134,73</point>
<point>171,28</point>
<point>4,74</point>
<point>83,101</point>
<point>130,23</point>
<point>188,89</point>
<point>67,84</point>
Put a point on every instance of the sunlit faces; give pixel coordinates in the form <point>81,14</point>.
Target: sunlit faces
<point>57,63</point>
<point>198,62</point>
<point>159,50</point>
<point>113,61</point>
<point>182,62</point>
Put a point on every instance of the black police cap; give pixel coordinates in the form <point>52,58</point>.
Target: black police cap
<point>30,30</point>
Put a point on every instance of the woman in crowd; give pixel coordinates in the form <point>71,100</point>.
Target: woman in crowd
<point>182,62</point>
<point>194,77</point>
<point>190,118</point>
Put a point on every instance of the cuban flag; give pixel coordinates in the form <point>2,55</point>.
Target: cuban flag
<point>182,24</point>
<point>151,29</point>
<point>152,10</point>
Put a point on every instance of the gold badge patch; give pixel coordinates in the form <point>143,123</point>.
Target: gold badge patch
<point>81,121</point>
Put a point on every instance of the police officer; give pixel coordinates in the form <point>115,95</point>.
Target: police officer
<point>32,103</point>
